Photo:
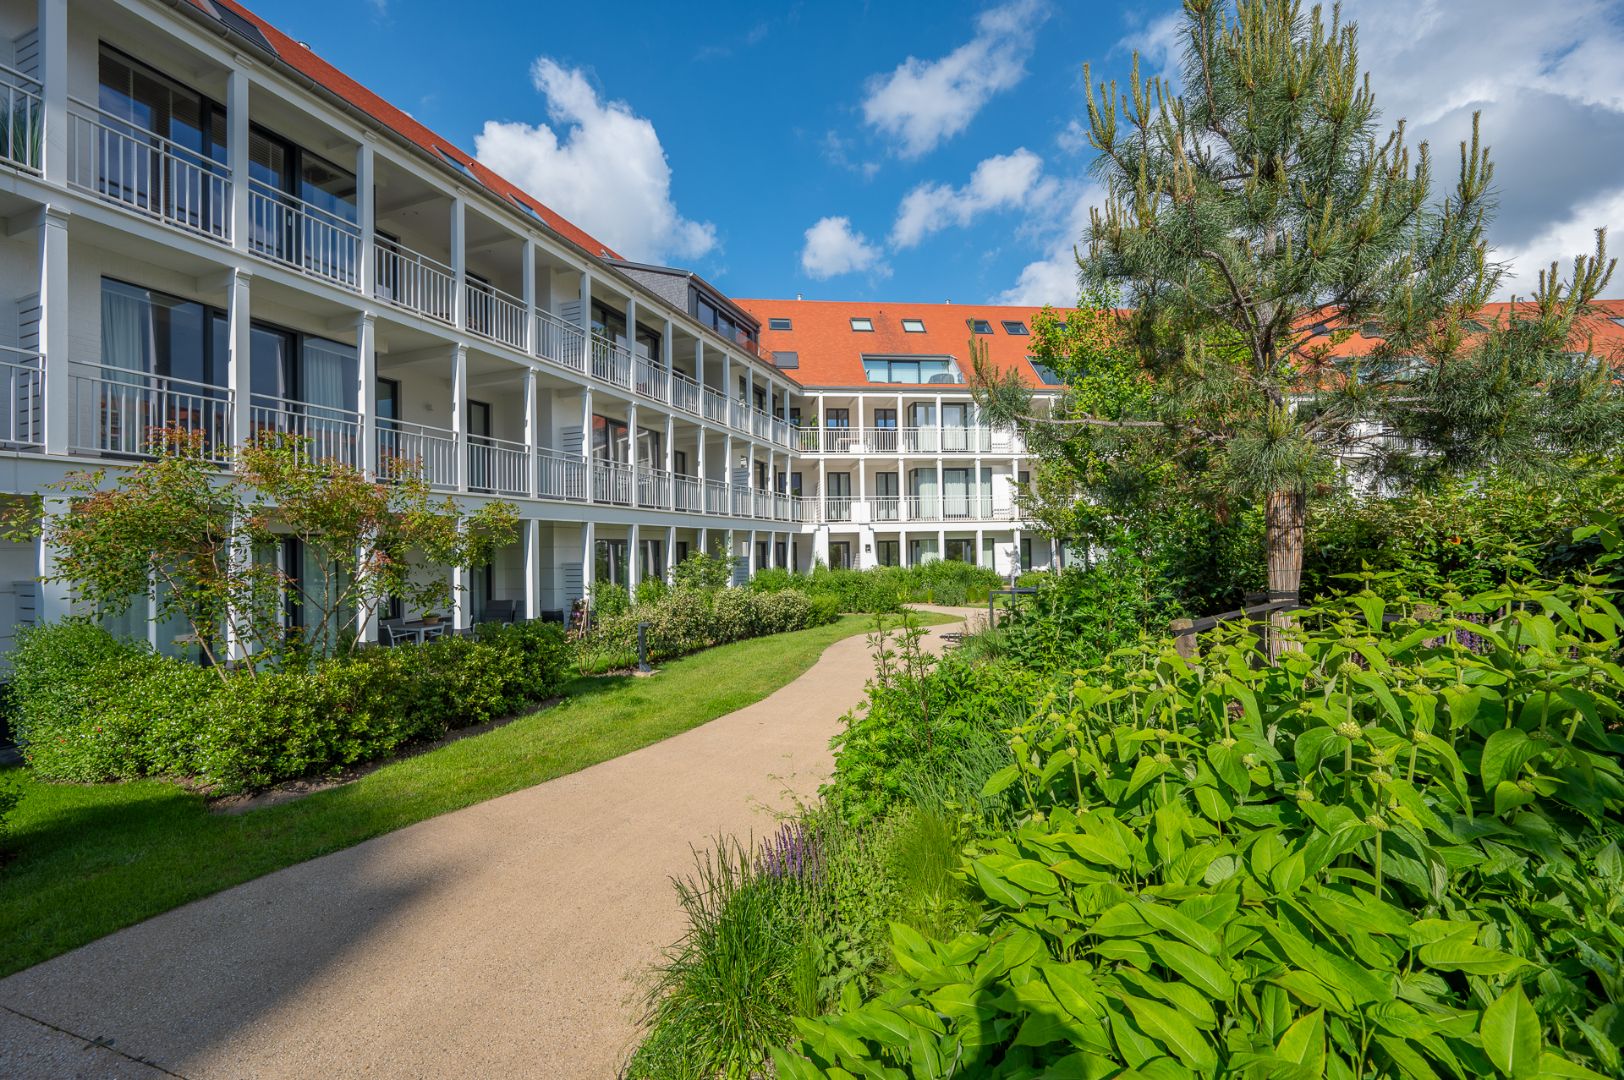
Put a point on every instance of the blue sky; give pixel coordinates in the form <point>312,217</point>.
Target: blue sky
<point>928,152</point>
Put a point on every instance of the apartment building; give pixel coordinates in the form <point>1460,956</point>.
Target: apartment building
<point>206,225</point>
<point>892,450</point>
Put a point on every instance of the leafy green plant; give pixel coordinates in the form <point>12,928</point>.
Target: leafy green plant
<point>1393,854</point>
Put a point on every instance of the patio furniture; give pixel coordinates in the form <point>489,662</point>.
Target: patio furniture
<point>416,632</point>
<point>499,611</point>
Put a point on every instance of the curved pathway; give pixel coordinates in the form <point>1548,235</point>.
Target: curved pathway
<point>511,938</point>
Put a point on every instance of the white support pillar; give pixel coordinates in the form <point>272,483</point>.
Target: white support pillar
<point>981,542</point>
<point>589,559</point>
<point>459,411</point>
<point>459,262</point>
<point>752,554</point>
<point>366,214</point>
<point>586,305</point>
<point>459,598</point>
<point>366,623</point>
<point>1015,557</point>
<point>941,493</point>
<point>941,543</point>
<point>704,540</point>
<point>239,331</point>
<point>528,272</point>
<point>586,441</point>
<point>704,433</point>
<point>54,331</point>
<point>670,444</point>
<point>902,490</point>
<point>634,561</point>
<point>631,325</point>
<point>670,551</point>
<point>366,351</point>
<point>237,156</point>
<point>53,75</point>
<point>55,597</point>
<point>532,569</point>
<point>532,432</point>
<point>727,471</point>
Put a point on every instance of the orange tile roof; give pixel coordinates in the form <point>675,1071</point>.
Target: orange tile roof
<point>307,63</point>
<point>831,352</point>
<point>1598,331</point>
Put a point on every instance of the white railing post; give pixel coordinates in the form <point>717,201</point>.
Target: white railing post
<point>532,431</point>
<point>54,332</point>
<point>239,317</point>
<point>366,349</point>
<point>459,264</point>
<point>528,295</point>
<point>237,153</point>
<point>53,76</point>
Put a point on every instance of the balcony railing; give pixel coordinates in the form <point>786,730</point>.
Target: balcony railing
<point>22,382</point>
<point>716,404</point>
<point>119,411</point>
<point>885,508</point>
<point>686,495</point>
<point>140,170</point>
<point>22,124</point>
<point>496,315</point>
<point>685,393</point>
<point>908,440</point>
<point>404,448</point>
<point>611,362</point>
<point>738,415</point>
<point>716,498</point>
<point>288,230</point>
<point>653,488</point>
<point>612,482</point>
<point>328,434</point>
<point>650,379</point>
<point>560,342</point>
<point>413,281</point>
<point>783,433</point>
<point>560,476</point>
<point>498,466</point>
<point>761,423</point>
<point>837,508</point>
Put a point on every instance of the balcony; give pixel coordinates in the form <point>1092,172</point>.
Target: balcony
<point>892,440</point>
<point>653,488</point>
<point>22,123</point>
<point>406,448</point>
<point>141,171</point>
<point>288,230</point>
<point>414,282</point>
<point>716,404</point>
<point>498,466</point>
<point>685,393</point>
<point>329,434</point>
<point>120,411</point>
<point>611,363</point>
<point>716,498</point>
<point>612,483</point>
<point>650,379</point>
<point>496,316</point>
<point>687,495</point>
<point>560,342</point>
<point>22,382</point>
<point>560,476</point>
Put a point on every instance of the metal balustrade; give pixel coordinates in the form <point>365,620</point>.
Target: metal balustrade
<point>411,280</point>
<point>327,433</point>
<point>22,123</point>
<point>738,415</point>
<point>406,448</point>
<point>653,488</point>
<point>611,362</point>
<point>312,239</point>
<point>894,440</point>
<point>685,393</point>
<point>498,466</point>
<point>716,405</point>
<point>650,379</point>
<point>560,476</point>
<point>885,508</point>
<point>119,411</point>
<point>140,170</point>
<point>496,315</point>
<point>560,342</point>
<point>22,382</point>
<point>612,482</point>
<point>717,499</point>
<point>836,508</point>
<point>686,495</point>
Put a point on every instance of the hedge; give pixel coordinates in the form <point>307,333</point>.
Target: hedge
<point>685,620</point>
<point>87,706</point>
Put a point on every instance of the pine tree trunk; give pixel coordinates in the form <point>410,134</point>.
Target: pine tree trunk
<point>1283,541</point>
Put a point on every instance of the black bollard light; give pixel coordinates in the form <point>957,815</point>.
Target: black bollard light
<point>642,648</point>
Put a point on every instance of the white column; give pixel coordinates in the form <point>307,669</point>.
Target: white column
<point>634,561</point>
<point>668,359</point>
<point>55,597</point>
<point>459,412</point>
<point>752,554</point>
<point>670,444</point>
<point>1015,559</point>
<point>366,213</point>
<point>941,495</point>
<point>237,154</point>
<point>53,74</point>
<point>699,372</point>
<point>980,543</point>
<point>238,369</point>
<point>586,306</point>
<point>459,262</point>
<point>586,441</point>
<point>703,475</point>
<point>532,431</point>
<point>902,489</point>
<point>532,346</point>
<point>670,551</point>
<point>532,569</point>
<point>727,473</point>
<point>704,540</point>
<point>54,331</point>
<point>459,597</point>
<point>631,325</point>
<point>366,622</point>
<point>366,350</point>
<point>589,560</point>
<point>983,497</point>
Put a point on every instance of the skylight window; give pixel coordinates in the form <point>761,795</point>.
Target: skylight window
<point>780,324</point>
<point>1014,327</point>
<point>527,208</point>
<point>1045,373</point>
<point>979,326</point>
<point>460,166</point>
<point>910,369</point>
<point>787,359</point>
<point>863,326</point>
<point>913,326</point>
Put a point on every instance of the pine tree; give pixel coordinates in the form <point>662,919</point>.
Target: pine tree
<point>1261,218</point>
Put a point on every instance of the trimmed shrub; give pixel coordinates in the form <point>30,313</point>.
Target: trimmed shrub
<point>685,620</point>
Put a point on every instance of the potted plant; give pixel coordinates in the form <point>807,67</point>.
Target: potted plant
<point>431,618</point>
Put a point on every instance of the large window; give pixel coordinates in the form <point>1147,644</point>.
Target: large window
<point>305,202</point>
<point>155,107</point>
<point>909,369</point>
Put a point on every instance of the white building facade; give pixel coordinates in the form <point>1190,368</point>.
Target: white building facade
<point>206,226</point>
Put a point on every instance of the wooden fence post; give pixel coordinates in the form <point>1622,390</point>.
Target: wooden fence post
<point>1184,638</point>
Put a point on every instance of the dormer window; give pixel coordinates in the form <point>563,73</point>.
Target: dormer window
<point>863,326</point>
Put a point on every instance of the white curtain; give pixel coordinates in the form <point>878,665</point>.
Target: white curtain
<point>326,375</point>
<point>126,331</point>
<point>119,413</point>
<point>956,492</point>
<point>923,482</point>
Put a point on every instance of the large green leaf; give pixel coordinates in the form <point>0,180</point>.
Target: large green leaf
<point>1505,753</point>
<point>1511,1034</point>
<point>1454,954</point>
<point>1195,966</point>
<point>1173,1031</point>
<point>1304,1042</point>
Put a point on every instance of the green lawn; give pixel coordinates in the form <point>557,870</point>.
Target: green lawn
<point>93,858</point>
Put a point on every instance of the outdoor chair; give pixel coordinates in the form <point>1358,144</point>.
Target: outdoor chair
<point>499,611</point>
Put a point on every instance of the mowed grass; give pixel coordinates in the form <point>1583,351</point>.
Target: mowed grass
<point>90,859</point>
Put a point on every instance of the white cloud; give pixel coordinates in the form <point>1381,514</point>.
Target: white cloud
<point>1057,221</point>
<point>1560,241</point>
<point>923,102</point>
<point>998,183</point>
<point>603,168</point>
<point>832,247</point>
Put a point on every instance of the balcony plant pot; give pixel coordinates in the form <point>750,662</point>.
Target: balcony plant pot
<point>431,619</point>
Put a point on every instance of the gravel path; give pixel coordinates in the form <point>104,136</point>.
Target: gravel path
<point>507,939</point>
